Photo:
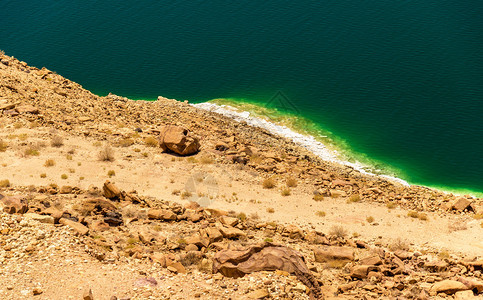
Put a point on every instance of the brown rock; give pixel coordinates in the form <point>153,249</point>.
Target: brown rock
<point>460,204</point>
<point>15,204</point>
<point>27,109</point>
<point>111,191</point>
<point>361,272</point>
<point>448,286</point>
<point>177,139</point>
<point>97,206</point>
<point>65,189</point>
<point>258,294</point>
<point>315,237</point>
<point>436,266</point>
<point>464,295</point>
<point>161,214</point>
<point>373,260</point>
<point>213,234</point>
<point>472,284</point>
<point>40,218</point>
<point>231,233</point>
<point>198,240</point>
<point>176,267</point>
<point>229,221</point>
<point>88,295</point>
<point>191,247</point>
<point>78,227</point>
<point>293,232</point>
<point>265,257</point>
<point>328,253</point>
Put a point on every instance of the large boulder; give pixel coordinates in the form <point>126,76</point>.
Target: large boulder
<point>14,204</point>
<point>264,257</point>
<point>177,139</point>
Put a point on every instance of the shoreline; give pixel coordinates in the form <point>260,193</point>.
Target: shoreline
<point>318,148</point>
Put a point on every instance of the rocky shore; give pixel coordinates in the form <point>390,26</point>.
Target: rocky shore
<point>110,198</point>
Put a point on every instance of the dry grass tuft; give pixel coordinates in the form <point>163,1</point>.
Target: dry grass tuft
<point>399,244</point>
<point>268,183</point>
<point>151,141</point>
<point>49,163</point>
<point>318,197</point>
<point>354,198</point>
<point>270,210</point>
<point>64,176</point>
<point>106,154</point>
<point>57,141</point>
<point>111,173</point>
<point>391,205</point>
<point>125,142</point>
<point>3,146</point>
<point>4,183</point>
<point>370,219</point>
<point>291,182</point>
<point>285,192</point>
<point>338,231</point>
<point>320,213</point>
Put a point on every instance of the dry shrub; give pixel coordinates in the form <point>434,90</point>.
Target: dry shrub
<point>291,182</point>
<point>285,192</point>
<point>318,197</point>
<point>31,151</point>
<point>399,244</point>
<point>57,141</point>
<point>49,163</point>
<point>4,183</point>
<point>338,231</point>
<point>354,198</point>
<point>106,154</point>
<point>190,258</point>
<point>3,146</point>
<point>186,194</point>
<point>370,219</point>
<point>320,213</point>
<point>151,141</point>
<point>268,183</point>
<point>391,205</point>
<point>270,210</point>
<point>125,143</point>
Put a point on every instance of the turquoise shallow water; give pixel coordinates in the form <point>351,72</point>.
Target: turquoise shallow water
<point>396,83</point>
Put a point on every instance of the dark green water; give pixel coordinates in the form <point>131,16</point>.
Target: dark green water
<point>399,82</point>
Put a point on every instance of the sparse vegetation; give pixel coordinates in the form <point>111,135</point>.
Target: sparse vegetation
<point>18,125</point>
<point>145,154</point>
<point>49,163</point>
<point>338,231</point>
<point>268,183</point>
<point>125,142</point>
<point>285,192</point>
<point>111,173</point>
<point>137,150</point>
<point>478,216</point>
<point>206,160</point>
<point>68,157</point>
<point>443,255</point>
<point>4,183</point>
<point>151,141</point>
<point>176,192</point>
<point>106,154</point>
<point>64,176</point>
<point>186,194</point>
<point>270,210</point>
<point>354,198</point>
<point>3,146</point>
<point>391,205</point>
<point>57,141</point>
<point>81,178</point>
<point>242,216</point>
<point>268,240</point>
<point>30,151</point>
<point>318,197</point>
<point>320,213</point>
<point>71,170</point>
<point>291,182</point>
<point>413,214</point>
<point>399,244</point>
<point>356,234</point>
<point>422,217</point>
<point>370,219</point>
<point>43,175</point>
